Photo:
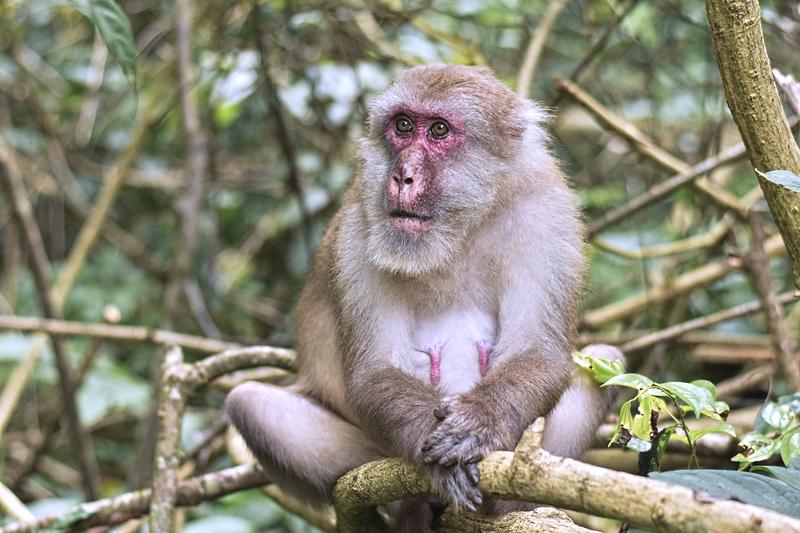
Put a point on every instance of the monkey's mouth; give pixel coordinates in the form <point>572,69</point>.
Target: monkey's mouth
<point>409,222</point>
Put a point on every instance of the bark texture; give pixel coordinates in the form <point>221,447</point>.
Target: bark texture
<point>756,107</point>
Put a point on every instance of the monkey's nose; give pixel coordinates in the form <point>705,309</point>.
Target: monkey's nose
<point>400,180</point>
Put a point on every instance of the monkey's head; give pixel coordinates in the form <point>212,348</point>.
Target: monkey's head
<point>445,146</point>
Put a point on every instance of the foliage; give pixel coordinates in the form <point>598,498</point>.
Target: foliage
<point>69,115</point>
<point>638,429</point>
<point>777,430</point>
<point>773,487</point>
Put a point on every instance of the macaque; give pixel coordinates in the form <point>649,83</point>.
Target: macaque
<point>438,318</point>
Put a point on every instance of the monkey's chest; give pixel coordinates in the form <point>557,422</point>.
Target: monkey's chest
<point>452,348</point>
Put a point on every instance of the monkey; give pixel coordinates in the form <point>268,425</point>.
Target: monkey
<point>438,317</point>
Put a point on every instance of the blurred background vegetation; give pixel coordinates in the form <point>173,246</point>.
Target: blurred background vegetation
<point>280,89</point>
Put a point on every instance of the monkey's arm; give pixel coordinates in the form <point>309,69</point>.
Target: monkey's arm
<point>493,415</point>
<point>400,411</point>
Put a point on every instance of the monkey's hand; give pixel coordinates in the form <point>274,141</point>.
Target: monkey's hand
<point>462,438</point>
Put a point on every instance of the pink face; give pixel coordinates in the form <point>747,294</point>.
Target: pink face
<point>422,142</point>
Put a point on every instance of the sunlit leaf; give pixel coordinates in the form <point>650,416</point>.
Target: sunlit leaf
<point>784,178</point>
<point>633,381</point>
<point>600,368</point>
<point>697,397</point>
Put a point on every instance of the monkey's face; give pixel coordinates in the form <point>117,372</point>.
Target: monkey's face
<point>441,144</point>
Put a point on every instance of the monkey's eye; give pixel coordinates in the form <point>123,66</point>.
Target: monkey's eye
<point>439,129</point>
<point>403,125</point>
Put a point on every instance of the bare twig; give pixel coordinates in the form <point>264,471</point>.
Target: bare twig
<point>130,505</point>
<point>682,284</point>
<point>536,47</point>
<point>645,146</point>
<point>695,242</point>
<point>714,318</point>
<point>12,505</point>
<point>790,88</point>
<point>284,135</point>
<point>40,268</point>
<point>115,332</point>
<point>191,201</point>
<point>782,343</point>
<point>596,48</point>
<point>662,189</point>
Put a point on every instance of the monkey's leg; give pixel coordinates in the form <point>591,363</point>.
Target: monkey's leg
<point>304,447</point>
<point>572,423</point>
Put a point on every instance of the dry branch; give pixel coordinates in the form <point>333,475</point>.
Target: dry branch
<point>114,332</point>
<point>536,47</point>
<point>645,146</point>
<point>130,505</point>
<point>782,343</point>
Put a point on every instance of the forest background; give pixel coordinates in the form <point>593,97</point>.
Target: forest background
<point>183,184</point>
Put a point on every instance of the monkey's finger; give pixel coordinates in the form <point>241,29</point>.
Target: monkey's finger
<point>441,412</point>
<point>473,473</point>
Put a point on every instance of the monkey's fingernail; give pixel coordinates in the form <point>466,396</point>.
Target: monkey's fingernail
<point>473,474</point>
<point>427,460</point>
<point>448,461</point>
<point>474,458</point>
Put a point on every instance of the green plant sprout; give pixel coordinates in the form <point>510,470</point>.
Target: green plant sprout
<point>638,425</point>
<point>777,430</point>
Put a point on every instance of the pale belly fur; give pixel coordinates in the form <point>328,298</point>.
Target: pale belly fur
<point>451,349</point>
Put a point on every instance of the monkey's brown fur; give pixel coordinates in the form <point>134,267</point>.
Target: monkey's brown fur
<point>442,245</point>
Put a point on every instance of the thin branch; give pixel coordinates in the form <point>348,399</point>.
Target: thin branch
<point>13,506</point>
<point>782,343</point>
<point>646,147</point>
<point>662,189</point>
<point>677,330</point>
<point>695,242</point>
<point>189,206</point>
<point>790,88</point>
<point>40,268</point>
<point>536,47</point>
<point>119,509</point>
<point>686,282</point>
<point>596,48</point>
<point>284,135</point>
<point>115,332</point>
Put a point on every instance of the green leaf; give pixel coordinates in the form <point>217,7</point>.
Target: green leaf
<point>784,178</point>
<point>757,448</point>
<point>710,387</point>
<point>790,446</point>
<point>633,381</point>
<point>697,397</point>
<point>601,368</point>
<point>639,445</point>
<point>790,476</point>
<point>750,488</point>
<point>642,427</point>
<point>115,29</point>
<point>725,428</point>
<point>775,416</point>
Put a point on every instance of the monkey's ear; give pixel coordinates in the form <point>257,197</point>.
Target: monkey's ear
<point>531,124</point>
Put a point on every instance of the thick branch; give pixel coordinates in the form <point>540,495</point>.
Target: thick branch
<point>756,108</point>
